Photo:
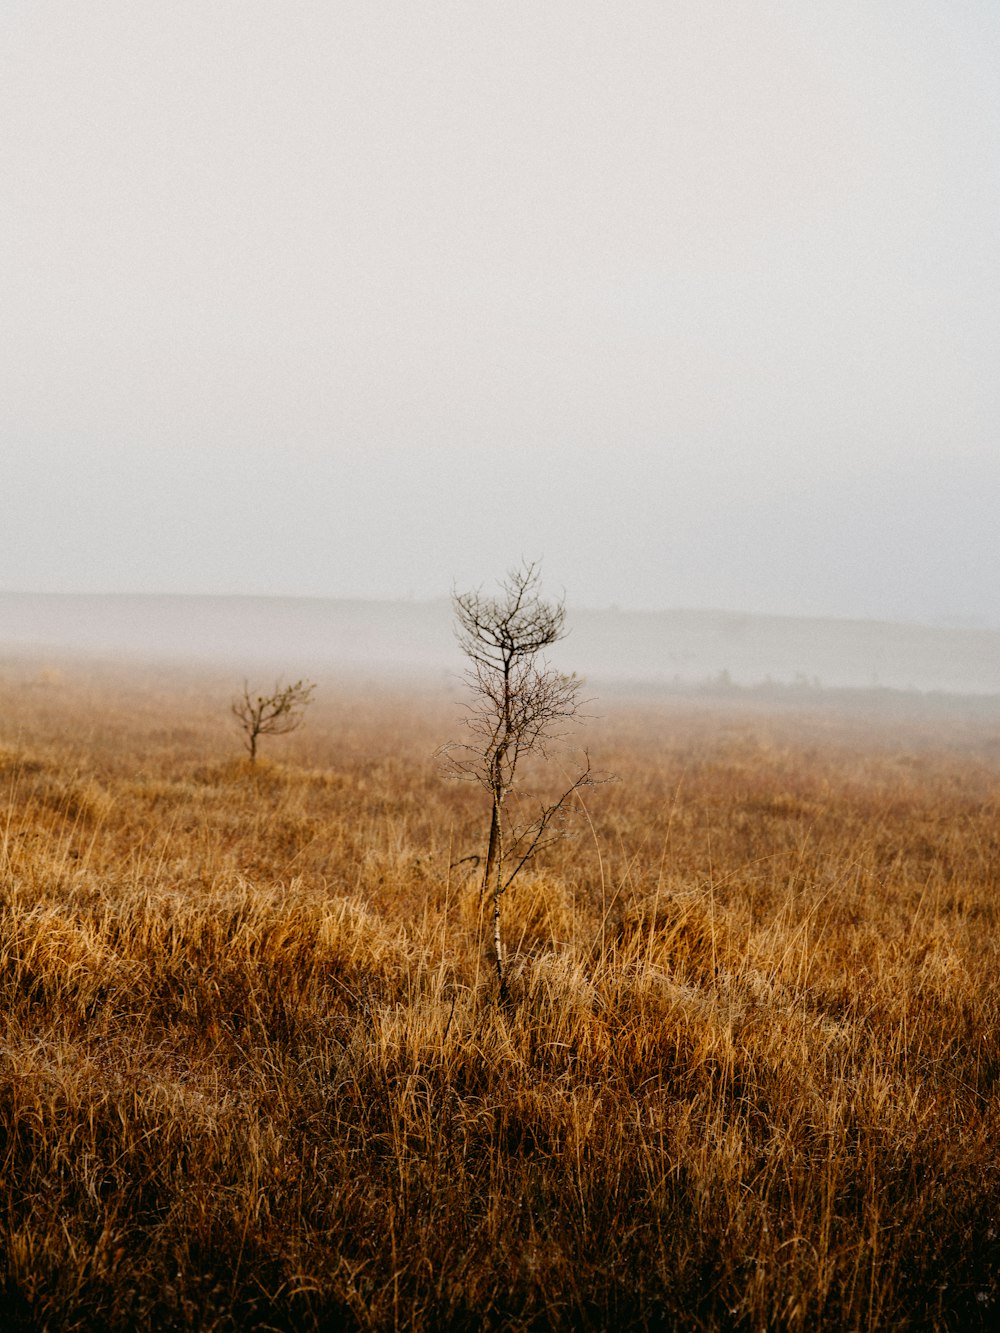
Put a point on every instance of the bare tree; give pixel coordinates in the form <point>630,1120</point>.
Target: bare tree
<point>273,714</point>
<point>520,705</point>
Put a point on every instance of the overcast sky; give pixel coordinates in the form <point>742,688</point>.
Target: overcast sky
<point>696,300</point>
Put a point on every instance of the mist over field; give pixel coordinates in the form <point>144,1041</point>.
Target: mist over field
<point>610,648</point>
<point>682,1009</point>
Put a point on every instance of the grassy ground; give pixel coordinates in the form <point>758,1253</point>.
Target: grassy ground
<point>254,1074</point>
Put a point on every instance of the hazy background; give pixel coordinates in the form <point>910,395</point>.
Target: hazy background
<point>697,301</point>
<point>665,651</point>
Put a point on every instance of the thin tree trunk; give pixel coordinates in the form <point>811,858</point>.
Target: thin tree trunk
<point>492,881</point>
<point>492,848</point>
<point>497,946</point>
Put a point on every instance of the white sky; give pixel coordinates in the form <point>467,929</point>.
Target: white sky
<point>699,302</point>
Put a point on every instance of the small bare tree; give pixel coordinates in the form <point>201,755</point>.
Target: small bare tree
<point>273,714</point>
<point>520,705</point>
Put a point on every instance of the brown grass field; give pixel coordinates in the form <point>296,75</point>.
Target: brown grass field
<point>255,1075</point>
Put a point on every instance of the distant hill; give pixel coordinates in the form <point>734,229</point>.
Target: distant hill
<point>307,635</point>
<point>294,633</point>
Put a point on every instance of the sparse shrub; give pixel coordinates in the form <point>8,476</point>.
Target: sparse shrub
<point>273,714</point>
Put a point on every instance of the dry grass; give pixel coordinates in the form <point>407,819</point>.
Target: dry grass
<point>254,1074</point>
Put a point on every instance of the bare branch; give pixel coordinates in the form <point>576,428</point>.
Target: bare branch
<point>548,813</point>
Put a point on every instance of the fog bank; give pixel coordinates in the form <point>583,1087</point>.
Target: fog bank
<point>302,636</point>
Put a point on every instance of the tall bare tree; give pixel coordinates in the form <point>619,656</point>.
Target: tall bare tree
<point>273,714</point>
<point>520,704</point>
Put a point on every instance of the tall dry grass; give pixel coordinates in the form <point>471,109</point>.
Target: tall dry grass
<point>254,1074</point>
